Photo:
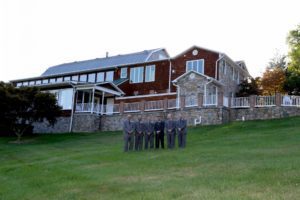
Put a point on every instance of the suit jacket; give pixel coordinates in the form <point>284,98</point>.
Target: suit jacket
<point>149,127</point>
<point>170,125</point>
<point>159,126</point>
<point>128,128</point>
<point>181,124</point>
<point>139,127</point>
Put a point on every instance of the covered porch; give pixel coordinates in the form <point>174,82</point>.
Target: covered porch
<point>97,99</point>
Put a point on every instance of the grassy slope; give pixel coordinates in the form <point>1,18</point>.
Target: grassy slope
<point>250,160</point>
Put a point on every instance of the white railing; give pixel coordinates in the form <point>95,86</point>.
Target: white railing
<point>132,107</point>
<point>290,100</point>
<point>154,105</point>
<point>240,102</point>
<point>225,101</point>
<point>191,101</point>
<point>210,100</point>
<point>111,109</point>
<point>173,103</point>
<point>265,101</point>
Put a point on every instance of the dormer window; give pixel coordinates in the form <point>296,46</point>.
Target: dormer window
<point>195,65</point>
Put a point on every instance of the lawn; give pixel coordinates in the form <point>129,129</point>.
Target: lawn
<point>241,160</point>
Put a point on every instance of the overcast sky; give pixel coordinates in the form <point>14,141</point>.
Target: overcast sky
<point>36,34</point>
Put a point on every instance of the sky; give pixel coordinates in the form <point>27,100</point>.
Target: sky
<point>37,34</point>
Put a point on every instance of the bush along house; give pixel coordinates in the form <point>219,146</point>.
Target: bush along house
<point>95,94</point>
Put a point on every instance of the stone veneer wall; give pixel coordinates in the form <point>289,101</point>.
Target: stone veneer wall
<point>260,113</point>
<point>209,116</point>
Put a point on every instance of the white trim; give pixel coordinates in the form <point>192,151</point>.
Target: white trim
<point>170,71</point>
<point>154,51</point>
<point>150,66</point>
<point>126,69</point>
<point>145,96</point>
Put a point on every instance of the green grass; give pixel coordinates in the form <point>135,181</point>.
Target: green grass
<point>242,160</point>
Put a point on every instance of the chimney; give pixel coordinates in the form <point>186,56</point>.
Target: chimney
<point>107,54</point>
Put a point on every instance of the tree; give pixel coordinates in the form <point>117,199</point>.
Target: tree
<point>272,81</point>
<point>249,87</point>
<point>278,61</point>
<point>292,83</point>
<point>23,106</point>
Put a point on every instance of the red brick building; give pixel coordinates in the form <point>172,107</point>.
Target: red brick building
<point>116,84</point>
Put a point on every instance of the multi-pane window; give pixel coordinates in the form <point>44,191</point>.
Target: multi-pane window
<point>52,80</point>
<point>137,75</point>
<point>195,65</point>
<point>25,83</point>
<point>91,78</point>
<point>83,78</point>
<point>124,72</point>
<point>67,78</point>
<point>19,84</point>
<point>75,78</point>
<point>109,76</point>
<point>45,81</point>
<point>150,73</point>
<point>38,82</point>
<point>59,79</point>
<point>100,77</point>
<point>31,83</point>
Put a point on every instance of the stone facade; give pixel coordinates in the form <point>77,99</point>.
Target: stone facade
<point>207,116</point>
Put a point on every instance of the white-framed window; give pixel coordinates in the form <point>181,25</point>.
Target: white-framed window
<point>75,78</point>
<point>109,76</point>
<point>123,72</point>
<point>137,75</point>
<point>45,81</point>
<point>196,65</point>
<point>25,83</point>
<point>52,80</point>
<point>31,83</point>
<point>233,74</point>
<point>100,77</point>
<point>67,78</point>
<point>83,78</point>
<point>38,82</point>
<point>150,73</point>
<point>59,79</point>
<point>19,84</point>
<point>92,78</point>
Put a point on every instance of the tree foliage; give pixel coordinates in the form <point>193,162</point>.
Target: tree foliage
<point>21,107</point>
<point>249,87</point>
<point>272,81</point>
<point>292,83</point>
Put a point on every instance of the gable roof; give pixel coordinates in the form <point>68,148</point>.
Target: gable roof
<point>108,62</point>
<point>198,47</point>
<point>199,74</point>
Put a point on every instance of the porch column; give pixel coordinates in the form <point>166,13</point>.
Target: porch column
<point>93,99</point>
<point>204,99</point>
<point>102,103</point>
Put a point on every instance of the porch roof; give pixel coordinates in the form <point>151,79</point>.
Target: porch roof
<point>115,90</point>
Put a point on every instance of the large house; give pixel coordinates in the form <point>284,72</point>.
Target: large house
<point>115,84</point>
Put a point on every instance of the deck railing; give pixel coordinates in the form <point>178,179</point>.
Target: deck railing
<point>240,102</point>
<point>132,107</point>
<point>290,100</point>
<point>265,101</point>
<point>154,105</point>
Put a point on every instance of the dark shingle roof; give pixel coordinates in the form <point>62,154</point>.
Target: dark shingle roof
<point>112,61</point>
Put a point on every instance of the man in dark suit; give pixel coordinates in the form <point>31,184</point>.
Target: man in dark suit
<point>139,134</point>
<point>181,127</point>
<point>149,134</point>
<point>170,126</point>
<point>128,131</point>
<point>159,133</point>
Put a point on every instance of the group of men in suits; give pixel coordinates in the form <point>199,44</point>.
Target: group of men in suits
<point>139,132</point>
